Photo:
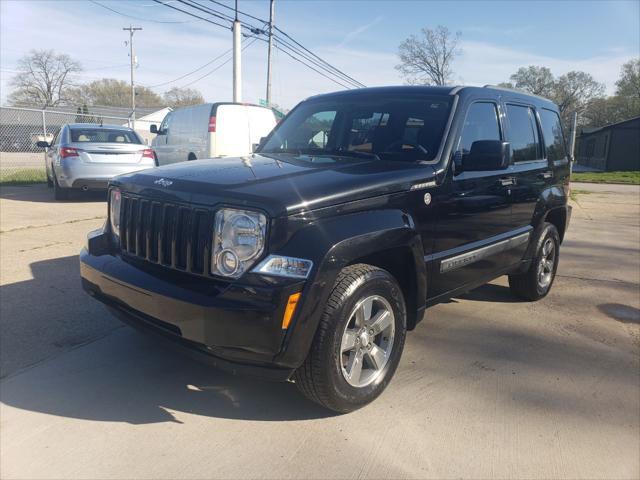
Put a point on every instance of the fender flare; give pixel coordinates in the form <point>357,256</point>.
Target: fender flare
<point>332,244</point>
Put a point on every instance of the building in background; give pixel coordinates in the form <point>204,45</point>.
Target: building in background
<point>611,148</point>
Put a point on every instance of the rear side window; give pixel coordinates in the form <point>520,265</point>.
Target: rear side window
<point>552,132</point>
<point>102,135</point>
<point>523,134</point>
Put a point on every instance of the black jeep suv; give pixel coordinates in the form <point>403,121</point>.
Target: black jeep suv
<point>310,259</point>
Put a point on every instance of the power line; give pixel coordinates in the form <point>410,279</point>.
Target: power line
<point>309,66</point>
<point>233,9</point>
<point>292,48</point>
<point>226,27</point>
<point>219,66</point>
<point>191,72</point>
<point>197,6</point>
<point>134,17</point>
<point>320,59</point>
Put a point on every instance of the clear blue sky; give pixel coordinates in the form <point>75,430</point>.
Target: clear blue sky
<point>360,37</point>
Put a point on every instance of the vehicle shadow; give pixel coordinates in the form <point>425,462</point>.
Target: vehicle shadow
<point>40,193</point>
<point>620,312</point>
<point>116,373</point>
<point>490,292</point>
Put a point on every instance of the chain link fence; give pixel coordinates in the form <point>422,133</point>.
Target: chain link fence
<point>21,161</point>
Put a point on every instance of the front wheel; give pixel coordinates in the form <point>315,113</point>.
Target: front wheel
<point>536,282</point>
<point>359,341</point>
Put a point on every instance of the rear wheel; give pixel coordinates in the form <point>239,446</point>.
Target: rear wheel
<point>359,341</point>
<point>59,193</point>
<point>536,282</point>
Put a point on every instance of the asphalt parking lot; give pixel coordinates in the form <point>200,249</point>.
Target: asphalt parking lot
<point>488,387</point>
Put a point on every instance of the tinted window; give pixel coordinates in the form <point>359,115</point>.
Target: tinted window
<point>103,135</point>
<point>395,128</point>
<point>552,132</point>
<point>481,123</point>
<point>523,134</point>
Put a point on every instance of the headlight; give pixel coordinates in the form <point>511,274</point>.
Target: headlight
<point>238,240</point>
<point>115,200</point>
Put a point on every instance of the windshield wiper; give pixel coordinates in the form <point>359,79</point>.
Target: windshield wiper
<point>355,153</point>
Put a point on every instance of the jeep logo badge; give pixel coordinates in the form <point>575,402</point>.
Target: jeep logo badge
<point>163,183</point>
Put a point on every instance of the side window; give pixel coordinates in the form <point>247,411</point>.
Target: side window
<point>523,134</point>
<point>481,123</point>
<point>164,126</point>
<point>552,132</point>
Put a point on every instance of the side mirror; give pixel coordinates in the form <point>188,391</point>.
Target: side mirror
<point>487,155</point>
<point>42,144</point>
<point>254,147</point>
<point>153,128</point>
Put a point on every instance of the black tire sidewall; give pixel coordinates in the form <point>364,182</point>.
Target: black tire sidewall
<point>380,283</point>
<point>549,231</point>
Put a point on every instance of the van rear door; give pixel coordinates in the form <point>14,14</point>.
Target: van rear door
<point>261,122</point>
<point>232,131</point>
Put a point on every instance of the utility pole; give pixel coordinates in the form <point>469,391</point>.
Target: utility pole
<point>237,51</point>
<point>131,30</point>
<point>271,15</point>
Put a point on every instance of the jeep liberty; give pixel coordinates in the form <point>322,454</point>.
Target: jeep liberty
<point>310,259</point>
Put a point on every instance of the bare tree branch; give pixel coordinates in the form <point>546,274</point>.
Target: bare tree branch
<point>427,59</point>
<point>44,79</point>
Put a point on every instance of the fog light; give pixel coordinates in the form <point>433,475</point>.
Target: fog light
<point>228,262</point>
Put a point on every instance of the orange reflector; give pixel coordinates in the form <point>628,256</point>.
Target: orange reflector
<point>292,303</point>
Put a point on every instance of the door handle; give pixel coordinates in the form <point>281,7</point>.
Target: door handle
<point>545,175</point>
<point>506,181</point>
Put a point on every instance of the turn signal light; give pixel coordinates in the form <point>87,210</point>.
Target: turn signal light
<point>148,153</point>
<point>212,124</point>
<point>292,303</point>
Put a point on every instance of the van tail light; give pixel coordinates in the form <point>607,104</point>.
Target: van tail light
<point>148,153</point>
<point>66,152</point>
<point>212,124</point>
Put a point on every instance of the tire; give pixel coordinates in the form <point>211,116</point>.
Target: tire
<point>191,157</point>
<point>59,193</point>
<point>49,181</point>
<point>323,376</point>
<point>530,285</point>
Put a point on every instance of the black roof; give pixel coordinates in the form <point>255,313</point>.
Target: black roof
<point>446,90</point>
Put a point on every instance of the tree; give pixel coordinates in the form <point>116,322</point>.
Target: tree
<point>534,80</point>
<point>629,82</point>
<point>605,111</point>
<point>572,92</point>
<point>427,59</point>
<point>44,79</point>
<point>110,92</point>
<point>182,97</point>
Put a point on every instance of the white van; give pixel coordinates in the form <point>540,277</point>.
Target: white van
<point>211,130</point>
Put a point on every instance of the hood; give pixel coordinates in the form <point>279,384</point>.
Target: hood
<point>277,184</point>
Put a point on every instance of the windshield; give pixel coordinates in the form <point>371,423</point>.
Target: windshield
<point>103,135</point>
<point>387,127</point>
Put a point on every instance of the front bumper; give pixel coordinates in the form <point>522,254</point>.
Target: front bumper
<point>237,326</point>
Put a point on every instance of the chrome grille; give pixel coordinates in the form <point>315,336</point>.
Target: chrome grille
<point>168,234</point>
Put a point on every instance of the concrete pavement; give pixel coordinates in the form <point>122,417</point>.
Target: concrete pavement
<point>488,387</point>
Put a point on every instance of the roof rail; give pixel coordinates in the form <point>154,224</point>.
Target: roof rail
<point>514,90</point>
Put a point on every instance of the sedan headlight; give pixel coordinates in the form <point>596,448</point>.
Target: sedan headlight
<point>238,241</point>
<point>115,199</point>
